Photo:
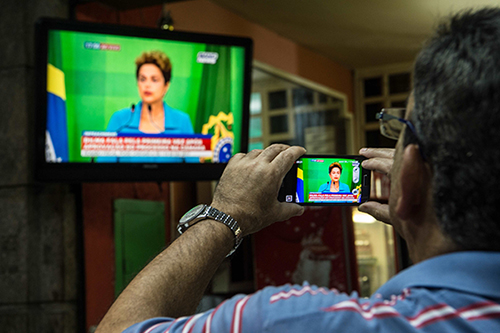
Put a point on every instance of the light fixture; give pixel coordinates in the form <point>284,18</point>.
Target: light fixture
<point>165,22</point>
<point>359,217</point>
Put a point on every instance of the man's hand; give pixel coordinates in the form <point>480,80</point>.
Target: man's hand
<point>380,160</point>
<point>248,189</point>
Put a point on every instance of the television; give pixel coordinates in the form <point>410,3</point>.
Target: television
<point>120,103</point>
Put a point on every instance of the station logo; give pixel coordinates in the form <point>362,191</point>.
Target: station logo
<point>207,58</point>
<point>101,46</point>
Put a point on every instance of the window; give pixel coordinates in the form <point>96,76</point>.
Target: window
<point>377,88</point>
<point>295,111</point>
<point>375,243</point>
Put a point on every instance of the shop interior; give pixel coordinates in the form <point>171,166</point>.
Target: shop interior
<point>319,75</point>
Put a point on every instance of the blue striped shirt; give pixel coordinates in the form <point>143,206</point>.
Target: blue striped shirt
<point>457,292</point>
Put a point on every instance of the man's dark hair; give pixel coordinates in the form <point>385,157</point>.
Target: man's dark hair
<point>457,118</point>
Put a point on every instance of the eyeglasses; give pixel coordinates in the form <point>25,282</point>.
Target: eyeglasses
<point>392,122</point>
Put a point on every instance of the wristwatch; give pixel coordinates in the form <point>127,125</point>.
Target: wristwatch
<point>201,212</point>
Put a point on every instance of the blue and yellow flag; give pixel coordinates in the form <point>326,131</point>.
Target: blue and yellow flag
<point>56,135</point>
<point>300,185</point>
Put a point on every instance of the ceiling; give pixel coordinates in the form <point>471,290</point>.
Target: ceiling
<point>355,33</point>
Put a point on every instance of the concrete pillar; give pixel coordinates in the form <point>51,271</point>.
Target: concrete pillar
<point>39,280</point>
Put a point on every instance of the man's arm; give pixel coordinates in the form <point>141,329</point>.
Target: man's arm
<point>174,282</point>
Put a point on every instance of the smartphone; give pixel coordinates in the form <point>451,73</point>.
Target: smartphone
<point>326,180</point>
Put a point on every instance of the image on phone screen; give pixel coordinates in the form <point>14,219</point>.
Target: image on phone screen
<point>325,180</point>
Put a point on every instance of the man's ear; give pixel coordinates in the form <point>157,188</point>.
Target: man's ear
<point>413,183</point>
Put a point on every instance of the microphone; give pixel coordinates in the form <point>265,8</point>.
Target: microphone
<point>151,120</point>
<point>132,109</point>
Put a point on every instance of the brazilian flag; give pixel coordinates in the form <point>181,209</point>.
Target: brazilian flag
<point>300,185</point>
<point>221,99</point>
<point>56,140</point>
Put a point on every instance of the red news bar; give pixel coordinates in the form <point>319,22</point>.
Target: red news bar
<point>332,197</point>
<point>94,146</point>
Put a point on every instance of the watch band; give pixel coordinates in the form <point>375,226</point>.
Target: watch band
<point>206,211</point>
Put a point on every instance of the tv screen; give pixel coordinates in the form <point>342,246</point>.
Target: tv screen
<point>117,103</point>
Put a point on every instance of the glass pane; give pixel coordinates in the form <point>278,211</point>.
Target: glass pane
<point>335,99</point>
<point>375,139</point>
<point>255,145</point>
<point>255,127</point>
<point>302,96</point>
<point>374,242</point>
<point>322,98</point>
<point>373,87</point>
<point>312,128</point>
<point>398,104</point>
<point>279,124</point>
<point>317,118</point>
<point>277,100</point>
<point>255,103</point>
<point>371,111</point>
<point>399,83</point>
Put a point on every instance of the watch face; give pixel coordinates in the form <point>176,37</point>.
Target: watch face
<point>192,213</point>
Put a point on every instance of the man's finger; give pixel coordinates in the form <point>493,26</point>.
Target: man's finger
<point>288,210</point>
<point>236,158</point>
<point>254,153</point>
<point>377,152</point>
<point>272,151</point>
<point>379,211</point>
<point>382,165</point>
<point>286,159</point>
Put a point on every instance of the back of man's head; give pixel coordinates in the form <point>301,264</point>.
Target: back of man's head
<point>457,117</point>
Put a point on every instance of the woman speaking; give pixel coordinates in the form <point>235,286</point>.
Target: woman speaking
<point>151,115</point>
<point>334,185</point>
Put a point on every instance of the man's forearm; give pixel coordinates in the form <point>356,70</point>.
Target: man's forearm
<point>173,283</point>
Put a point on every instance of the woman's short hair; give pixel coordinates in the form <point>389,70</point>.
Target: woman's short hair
<point>157,58</point>
<point>335,165</point>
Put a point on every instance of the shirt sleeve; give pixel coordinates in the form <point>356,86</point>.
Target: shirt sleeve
<point>188,126</point>
<point>323,187</point>
<point>271,309</point>
<point>117,120</point>
<point>227,317</point>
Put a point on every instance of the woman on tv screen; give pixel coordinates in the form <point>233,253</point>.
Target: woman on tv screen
<point>334,185</point>
<point>151,115</point>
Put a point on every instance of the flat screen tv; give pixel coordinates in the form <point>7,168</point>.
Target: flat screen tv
<point>119,103</point>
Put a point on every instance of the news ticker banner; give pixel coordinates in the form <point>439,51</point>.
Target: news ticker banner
<point>331,197</point>
<point>113,144</point>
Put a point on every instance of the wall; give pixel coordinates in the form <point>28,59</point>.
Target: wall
<point>39,266</point>
<point>98,215</point>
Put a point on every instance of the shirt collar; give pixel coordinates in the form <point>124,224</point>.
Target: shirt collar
<point>473,272</point>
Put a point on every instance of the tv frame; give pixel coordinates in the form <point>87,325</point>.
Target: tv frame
<point>111,172</point>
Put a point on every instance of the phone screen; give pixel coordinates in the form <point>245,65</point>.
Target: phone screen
<point>325,180</point>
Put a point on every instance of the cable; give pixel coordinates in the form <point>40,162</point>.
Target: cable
<point>151,120</point>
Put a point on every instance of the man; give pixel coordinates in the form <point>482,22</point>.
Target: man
<point>443,202</point>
